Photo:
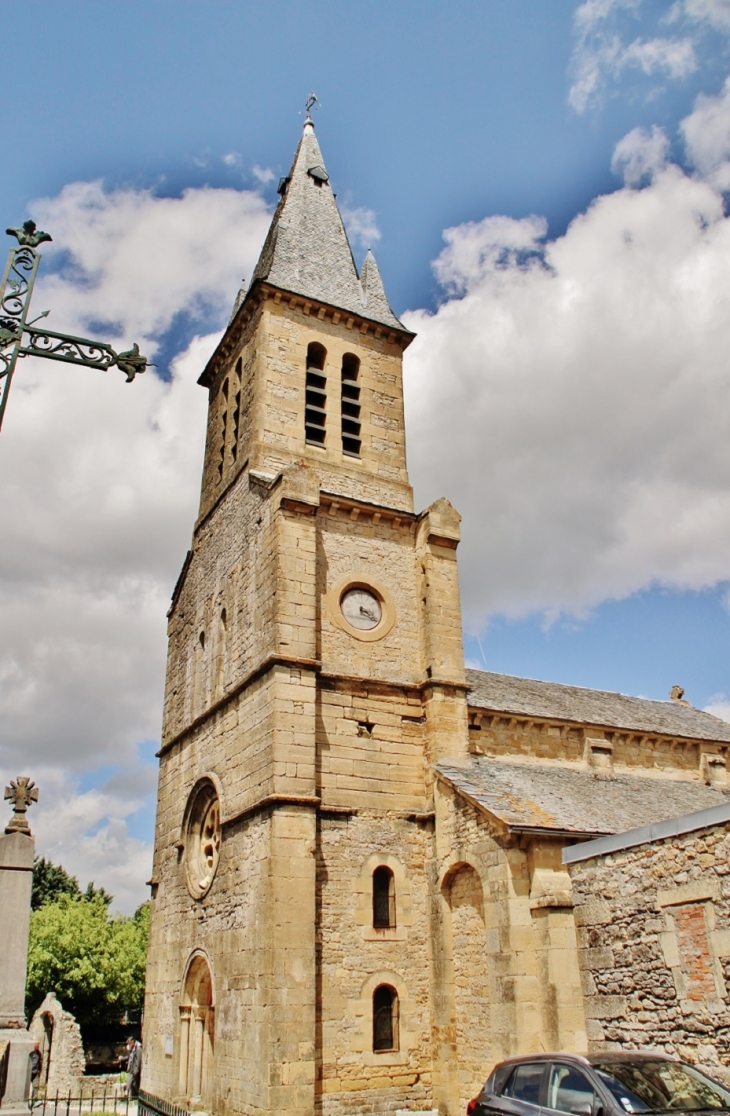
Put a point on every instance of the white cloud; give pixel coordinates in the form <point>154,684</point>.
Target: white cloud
<point>640,154</point>
<point>139,260</point>
<point>264,175</point>
<point>99,503</point>
<point>361,224</point>
<point>583,426</point>
<point>719,706</point>
<point>606,48</point>
<point>706,133</point>
<point>233,159</point>
<point>87,831</point>
<point>714,13</point>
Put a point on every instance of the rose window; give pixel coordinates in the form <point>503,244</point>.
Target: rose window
<point>203,839</point>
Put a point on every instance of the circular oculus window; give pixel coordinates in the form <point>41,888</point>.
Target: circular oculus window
<point>203,840</point>
<point>361,608</point>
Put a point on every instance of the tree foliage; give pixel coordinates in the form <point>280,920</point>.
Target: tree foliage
<point>94,962</point>
<point>51,881</point>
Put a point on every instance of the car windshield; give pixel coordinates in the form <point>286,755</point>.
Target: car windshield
<point>646,1086</point>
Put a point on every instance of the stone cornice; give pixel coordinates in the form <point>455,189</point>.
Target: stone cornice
<point>259,292</point>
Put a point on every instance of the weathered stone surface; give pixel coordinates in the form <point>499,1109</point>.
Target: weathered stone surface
<point>657,966</point>
<point>62,1050</point>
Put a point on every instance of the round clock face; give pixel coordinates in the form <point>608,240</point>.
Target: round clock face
<point>361,608</point>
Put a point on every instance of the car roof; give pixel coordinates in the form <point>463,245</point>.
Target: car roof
<point>589,1059</point>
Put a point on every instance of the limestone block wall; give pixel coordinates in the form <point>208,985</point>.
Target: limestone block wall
<point>257,401</point>
<point>354,958</point>
<point>378,551</point>
<point>490,894</point>
<point>504,734</point>
<point>370,746</point>
<point>654,936</point>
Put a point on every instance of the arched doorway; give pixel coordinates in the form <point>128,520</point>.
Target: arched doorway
<point>46,1047</point>
<point>197,1030</point>
<point>462,890</point>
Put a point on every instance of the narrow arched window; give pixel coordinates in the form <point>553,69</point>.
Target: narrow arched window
<point>351,441</point>
<point>236,410</point>
<point>383,898</point>
<point>385,1018</point>
<point>315,412</point>
<point>223,428</point>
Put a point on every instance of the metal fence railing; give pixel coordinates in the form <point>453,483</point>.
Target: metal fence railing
<point>149,1105</point>
<point>111,1101</point>
<point>100,1102</point>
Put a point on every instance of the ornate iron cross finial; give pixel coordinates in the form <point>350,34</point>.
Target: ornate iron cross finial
<point>21,338</point>
<point>311,101</point>
<point>29,235</point>
<point>22,792</point>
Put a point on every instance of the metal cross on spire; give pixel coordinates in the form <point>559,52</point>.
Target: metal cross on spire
<point>22,792</point>
<point>310,103</point>
<point>20,338</point>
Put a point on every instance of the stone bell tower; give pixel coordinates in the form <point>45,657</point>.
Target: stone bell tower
<point>315,674</point>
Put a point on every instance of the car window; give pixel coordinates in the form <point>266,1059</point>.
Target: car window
<point>568,1089</point>
<point>649,1086</point>
<point>524,1084</point>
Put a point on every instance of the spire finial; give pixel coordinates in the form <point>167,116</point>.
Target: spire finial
<point>310,103</point>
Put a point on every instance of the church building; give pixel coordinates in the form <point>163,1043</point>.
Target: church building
<point>358,897</point>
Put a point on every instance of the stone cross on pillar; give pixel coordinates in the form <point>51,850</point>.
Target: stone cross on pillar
<point>23,793</point>
<point>16,881</point>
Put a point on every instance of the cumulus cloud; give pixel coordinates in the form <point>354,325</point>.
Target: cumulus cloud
<point>361,224</point>
<point>706,133</point>
<point>572,399</point>
<point>640,154</point>
<point>99,486</point>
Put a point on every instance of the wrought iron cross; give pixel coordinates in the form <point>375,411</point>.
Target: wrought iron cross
<point>20,338</point>
<point>311,101</point>
<point>22,792</point>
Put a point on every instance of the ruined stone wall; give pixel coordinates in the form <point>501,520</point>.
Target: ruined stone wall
<point>354,958</point>
<point>654,936</point>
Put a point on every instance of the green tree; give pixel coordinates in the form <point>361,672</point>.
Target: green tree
<point>94,962</point>
<point>49,882</point>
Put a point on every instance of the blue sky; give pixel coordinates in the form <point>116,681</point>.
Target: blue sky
<point>585,448</point>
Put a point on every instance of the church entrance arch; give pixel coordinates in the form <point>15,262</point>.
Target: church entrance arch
<point>462,890</point>
<point>197,1030</point>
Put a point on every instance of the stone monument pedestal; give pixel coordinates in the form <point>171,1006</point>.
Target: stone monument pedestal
<point>17,1076</point>
<point>16,879</point>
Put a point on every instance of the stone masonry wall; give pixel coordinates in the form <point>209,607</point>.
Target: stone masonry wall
<point>354,958</point>
<point>654,936</point>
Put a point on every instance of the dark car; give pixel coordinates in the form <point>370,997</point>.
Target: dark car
<point>609,1084</point>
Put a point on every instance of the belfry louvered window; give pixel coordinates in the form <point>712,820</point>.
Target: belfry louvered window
<point>315,413</point>
<point>351,440</point>
<point>223,429</point>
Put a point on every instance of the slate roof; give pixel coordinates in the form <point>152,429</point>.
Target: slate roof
<point>307,251</point>
<point>568,800</point>
<point>504,693</point>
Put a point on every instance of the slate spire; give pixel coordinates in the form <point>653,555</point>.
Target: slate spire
<point>307,251</point>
